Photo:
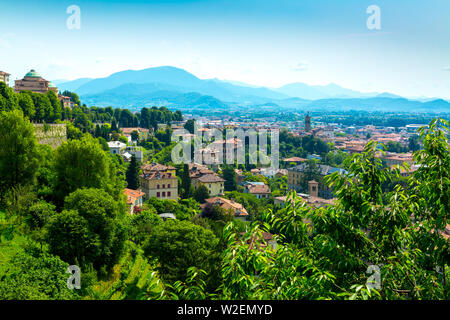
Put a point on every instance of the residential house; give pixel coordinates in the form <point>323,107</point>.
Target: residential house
<point>115,147</point>
<point>159,181</point>
<point>143,133</point>
<point>296,160</point>
<point>258,189</point>
<point>138,152</point>
<point>201,175</point>
<point>267,241</point>
<point>310,200</point>
<point>4,77</point>
<point>298,178</point>
<point>236,208</point>
<point>134,199</point>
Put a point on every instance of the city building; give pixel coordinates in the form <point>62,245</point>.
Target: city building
<point>311,201</point>
<point>201,175</point>
<point>67,102</point>
<point>296,160</point>
<point>159,181</point>
<point>307,123</point>
<point>267,241</point>
<point>35,83</point>
<point>134,199</point>
<point>4,77</point>
<point>392,158</point>
<point>298,178</point>
<point>143,133</point>
<point>115,147</point>
<point>258,189</point>
<point>137,151</point>
<point>230,205</point>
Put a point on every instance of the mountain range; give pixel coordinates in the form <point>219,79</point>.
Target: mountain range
<point>174,87</point>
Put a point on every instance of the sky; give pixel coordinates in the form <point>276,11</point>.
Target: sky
<point>266,42</point>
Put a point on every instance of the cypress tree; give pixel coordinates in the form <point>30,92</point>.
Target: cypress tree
<point>132,174</point>
<point>186,181</point>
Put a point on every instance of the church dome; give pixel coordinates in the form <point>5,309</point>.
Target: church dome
<point>33,74</point>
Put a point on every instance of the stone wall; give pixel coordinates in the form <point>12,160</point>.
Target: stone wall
<point>51,134</point>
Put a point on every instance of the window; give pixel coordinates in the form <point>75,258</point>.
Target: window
<point>157,187</point>
<point>168,186</point>
<point>168,193</point>
<point>164,186</point>
<point>157,195</point>
<point>164,194</point>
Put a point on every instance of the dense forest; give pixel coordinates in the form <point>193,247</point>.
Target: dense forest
<point>65,206</point>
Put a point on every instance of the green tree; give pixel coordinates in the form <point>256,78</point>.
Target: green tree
<point>201,194</point>
<point>141,225</point>
<point>179,245</point>
<point>19,158</point>
<point>43,107</point>
<point>135,135</point>
<point>92,229</point>
<point>132,174</point>
<point>413,143</point>
<point>26,104</point>
<point>81,164</point>
<point>56,106</point>
<point>229,176</point>
<point>189,125</point>
<point>8,99</point>
<point>186,182</point>
<point>33,275</point>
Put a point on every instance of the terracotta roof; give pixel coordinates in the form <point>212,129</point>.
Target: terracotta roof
<point>209,178</point>
<point>157,175</point>
<point>133,195</point>
<point>198,170</point>
<point>259,245</point>
<point>156,167</point>
<point>258,189</point>
<point>130,130</point>
<point>315,201</point>
<point>294,159</point>
<point>237,208</point>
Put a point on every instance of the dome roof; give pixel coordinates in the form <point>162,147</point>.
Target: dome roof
<point>51,85</point>
<point>33,74</point>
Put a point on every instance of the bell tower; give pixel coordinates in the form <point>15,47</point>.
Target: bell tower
<point>307,123</point>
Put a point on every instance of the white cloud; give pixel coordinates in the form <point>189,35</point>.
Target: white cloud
<point>301,66</point>
<point>447,68</point>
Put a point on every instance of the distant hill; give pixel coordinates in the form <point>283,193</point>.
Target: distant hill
<point>174,78</point>
<point>72,85</point>
<point>176,87</point>
<point>305,91</point>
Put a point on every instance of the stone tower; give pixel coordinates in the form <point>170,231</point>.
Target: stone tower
<point>307,123</point>
<point>313,188</point>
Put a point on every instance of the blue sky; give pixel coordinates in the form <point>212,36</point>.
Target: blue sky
<point>267,43</point>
